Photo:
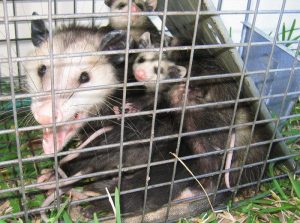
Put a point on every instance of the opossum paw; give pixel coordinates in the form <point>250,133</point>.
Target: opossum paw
<point>177,94</point>
<point>131,108</point>
<point>181,88</point>
<point>116,110</point>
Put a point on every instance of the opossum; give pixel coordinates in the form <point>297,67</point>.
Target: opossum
<point>95,71</point>
<point>203,92</point>
<point>214,90</point>
<point>138,99</point>
<point>144,68</point>
<point>72,73</point>
<point>139,24</point>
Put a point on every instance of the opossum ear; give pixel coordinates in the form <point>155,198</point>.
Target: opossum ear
<point>151,5</point>
<point>144,41</point>
<point>171,41</point>
<point>115,40</point>
<point>176,71</point>
<point>39,32</point>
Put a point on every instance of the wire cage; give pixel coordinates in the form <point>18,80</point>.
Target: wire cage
<point>270,90</point>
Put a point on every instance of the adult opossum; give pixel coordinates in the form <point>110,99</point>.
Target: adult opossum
<point>72,73</point>
<point>95,71</point>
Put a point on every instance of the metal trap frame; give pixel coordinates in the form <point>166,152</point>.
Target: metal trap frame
<point>200,23</point>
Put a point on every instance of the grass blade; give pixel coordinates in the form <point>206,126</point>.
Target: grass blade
<point>66,217</point>
<point>283,32</point>
<point>267,202</point>
<point>255,198</point>
<point>95,218</point>
<point>295,184</point>
<point>273,219</point>
<point>60,211</point>
<point>277,209</point>
<point>117,205</point>
<point>295,38</point>
<point>275,182</point>
<point>292,29</point>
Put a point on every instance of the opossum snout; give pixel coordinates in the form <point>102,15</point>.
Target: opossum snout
<point>43,114</point>
<point>134,8</point>
<point>140,75</point>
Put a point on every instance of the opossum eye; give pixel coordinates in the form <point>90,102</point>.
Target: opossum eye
<point>42,70</point>
<point>141,6</point>
<point>84,77</point>
<point>156,70</point>
<point>141,60</point>
<point>121,5</point>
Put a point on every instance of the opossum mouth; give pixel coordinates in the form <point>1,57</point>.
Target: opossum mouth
<point>63,135</point>
<point>142,79</point>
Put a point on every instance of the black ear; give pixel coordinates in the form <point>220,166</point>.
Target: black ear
<point>144,41</point>
<point>115,40</point>
<point>39,32</point>
<point>176,71</point>
<point>151,5</point>
<point>108,2</point>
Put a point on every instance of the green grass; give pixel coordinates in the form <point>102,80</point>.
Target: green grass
<point>289,34</point>
<point>59,214</point>
<point>274,203</point>
<point>292,127</point>
<point>117,205</point>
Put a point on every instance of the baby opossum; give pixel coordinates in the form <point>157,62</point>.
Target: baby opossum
<point>145,69</point>
<point>215,90</point>
<point>203,92</point>
<point>72,73</point>
<point>139,24</point>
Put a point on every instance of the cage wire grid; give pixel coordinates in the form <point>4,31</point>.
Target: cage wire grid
<point>52,16</point>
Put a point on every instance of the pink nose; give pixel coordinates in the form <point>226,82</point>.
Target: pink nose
<point>140,75</point>
<point>134,8</point>
<point>44,115</point>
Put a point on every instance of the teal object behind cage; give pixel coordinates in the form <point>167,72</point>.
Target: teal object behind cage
<point>20,103</point>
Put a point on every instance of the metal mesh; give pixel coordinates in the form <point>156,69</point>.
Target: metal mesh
<point>20,136</point>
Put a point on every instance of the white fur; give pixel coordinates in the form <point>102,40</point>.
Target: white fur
<point>148,67</point>
<point>66,76</point>
<point>120,22</point>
